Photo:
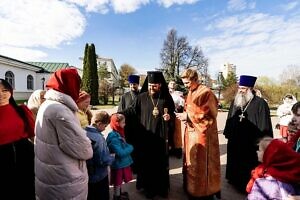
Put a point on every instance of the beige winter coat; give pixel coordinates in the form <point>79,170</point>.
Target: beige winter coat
<point>61,150</point>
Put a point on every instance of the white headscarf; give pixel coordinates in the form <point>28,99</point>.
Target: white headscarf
<point>34,100</point>
<point>289,101</point>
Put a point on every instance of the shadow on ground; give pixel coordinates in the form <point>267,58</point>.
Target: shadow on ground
<point>176,190</point>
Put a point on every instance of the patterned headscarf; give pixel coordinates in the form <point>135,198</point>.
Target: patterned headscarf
<point>279,161</point>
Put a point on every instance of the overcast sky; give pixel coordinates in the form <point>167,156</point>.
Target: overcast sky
<point>260,37</point>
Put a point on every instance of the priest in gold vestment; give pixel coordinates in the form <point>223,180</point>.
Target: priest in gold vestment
<point>201,167</point>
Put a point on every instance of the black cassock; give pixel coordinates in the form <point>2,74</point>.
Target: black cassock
<point>243,136</point>
<point>127,100</point>
<point>151,141</point>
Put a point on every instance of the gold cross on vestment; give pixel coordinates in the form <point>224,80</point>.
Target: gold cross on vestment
<point>241,116</point>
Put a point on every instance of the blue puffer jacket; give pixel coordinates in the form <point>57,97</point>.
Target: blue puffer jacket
<point>121,149</point>
<point>97,166</point>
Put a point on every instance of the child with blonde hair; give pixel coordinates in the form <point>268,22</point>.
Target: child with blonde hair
<point>120,169</point>
<point>84,114</point>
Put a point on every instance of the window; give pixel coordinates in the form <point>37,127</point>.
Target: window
<point>10,77</point>
<point>29,82</point>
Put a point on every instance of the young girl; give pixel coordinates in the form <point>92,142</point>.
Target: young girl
<point>278,175</point>
<point>84,114</point>
<point>120,169</point>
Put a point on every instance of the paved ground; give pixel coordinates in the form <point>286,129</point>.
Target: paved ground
<point>176,191</point>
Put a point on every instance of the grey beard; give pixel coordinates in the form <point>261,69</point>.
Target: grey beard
<point>241,100</point>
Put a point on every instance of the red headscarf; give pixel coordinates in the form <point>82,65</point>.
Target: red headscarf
<point>66,81</point>
<point>279,161</point>
<point>115,124</point>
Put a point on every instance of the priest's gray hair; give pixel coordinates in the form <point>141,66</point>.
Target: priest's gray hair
<point>241,99</point>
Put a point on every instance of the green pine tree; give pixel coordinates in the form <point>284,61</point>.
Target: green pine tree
<point>230,80</point>
<point>86,70</point>
<point>90,76</point>
<point>94,87</point>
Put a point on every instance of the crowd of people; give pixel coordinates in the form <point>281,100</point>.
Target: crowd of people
<point>54,147</point>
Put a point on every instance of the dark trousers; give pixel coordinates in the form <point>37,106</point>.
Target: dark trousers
<point>17,170</point>
<point>99,190</point>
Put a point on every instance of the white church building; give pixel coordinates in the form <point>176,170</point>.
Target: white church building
<point>25,77</point>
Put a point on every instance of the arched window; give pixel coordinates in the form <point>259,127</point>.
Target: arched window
<point>10,77</point>
<point>29,82</point>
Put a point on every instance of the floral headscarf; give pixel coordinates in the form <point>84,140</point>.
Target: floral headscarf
<point>279,161</point>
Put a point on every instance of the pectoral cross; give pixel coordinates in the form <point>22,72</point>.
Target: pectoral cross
<point>165,110</point>
<point>241,116</point>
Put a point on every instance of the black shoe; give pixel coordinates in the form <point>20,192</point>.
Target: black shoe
<point>139,187</point>
<point>171,151</point>
<point>164,194</point>
<point>116,197</point>
<point>125,194</point>
<point>121,197</point>
<point>149,195</point>
<point>178,153</point>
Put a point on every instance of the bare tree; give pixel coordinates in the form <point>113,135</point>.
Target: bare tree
<point>291,75</point>
<point>168,55</point>
<point>200,62</point>
<point>177,54</point>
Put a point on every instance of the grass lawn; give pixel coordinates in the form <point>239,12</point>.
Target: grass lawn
<point>109,104</point>
<point>99,107</point>
<point>21,101</point>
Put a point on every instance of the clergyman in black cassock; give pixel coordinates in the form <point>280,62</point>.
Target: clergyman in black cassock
<point>127,100</point>
<point>152,135</point>
<point>244,127</point>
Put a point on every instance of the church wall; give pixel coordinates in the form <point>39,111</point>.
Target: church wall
<point>20,78</point>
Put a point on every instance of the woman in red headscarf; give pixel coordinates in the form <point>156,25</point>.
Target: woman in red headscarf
<point>278,176</point>
<point>120,169</point>
<point>62,146</point>
<point>16,151</point>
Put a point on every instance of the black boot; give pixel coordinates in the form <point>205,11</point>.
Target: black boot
<point>178,153</point>
<point>125,195</point>
<point>149,194</point>
<point>121,197</point>
<point>116,197</point>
